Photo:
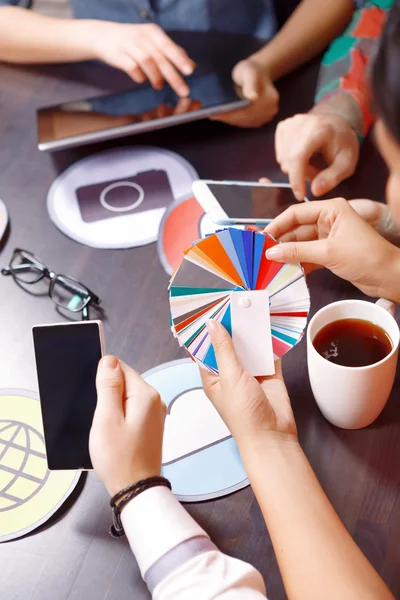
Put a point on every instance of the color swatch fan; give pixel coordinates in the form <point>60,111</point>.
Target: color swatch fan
<point>263,304</point>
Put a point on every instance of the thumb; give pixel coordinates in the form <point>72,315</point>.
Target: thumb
<point>245,75</point>
<point>300,252</point>
<point>228,365</point>
<point>110,387</point>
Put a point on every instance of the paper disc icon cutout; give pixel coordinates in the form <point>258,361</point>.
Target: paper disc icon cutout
<point>183,222</point>
<point>29,493</point>
<point>200,457</point>
<point>117,198</point>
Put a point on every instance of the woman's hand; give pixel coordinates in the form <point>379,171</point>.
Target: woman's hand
<point>127,431</point>
<point>380,217</point>
<point>143,51</point>
<point>250,407</point>
<point>298,138</point>
<point>256,85</point>
<point>332,234</point>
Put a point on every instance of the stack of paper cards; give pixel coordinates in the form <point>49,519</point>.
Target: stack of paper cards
<point>263,304</point>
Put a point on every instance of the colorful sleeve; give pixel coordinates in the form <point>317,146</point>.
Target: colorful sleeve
<point>343,81</point>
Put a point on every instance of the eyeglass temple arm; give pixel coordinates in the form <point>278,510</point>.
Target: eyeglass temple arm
<point>21,268</point>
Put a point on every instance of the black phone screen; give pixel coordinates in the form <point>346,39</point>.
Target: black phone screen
<point>66,360</point>
<point>252,202</point>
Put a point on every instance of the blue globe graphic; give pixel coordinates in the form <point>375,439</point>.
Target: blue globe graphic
<point>28,444</point>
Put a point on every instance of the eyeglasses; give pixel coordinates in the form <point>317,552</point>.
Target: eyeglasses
<point>66,292</point>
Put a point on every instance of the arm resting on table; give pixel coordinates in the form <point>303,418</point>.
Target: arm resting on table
<point>317,557</point>
<point>176,557</point>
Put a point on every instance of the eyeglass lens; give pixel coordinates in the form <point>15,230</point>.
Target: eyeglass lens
<point>68,293</point>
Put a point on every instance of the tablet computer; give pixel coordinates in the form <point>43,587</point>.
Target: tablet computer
<point>136,110</point>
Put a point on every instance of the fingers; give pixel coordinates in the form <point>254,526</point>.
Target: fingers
<point>304,233</point>
<point>315,252</point>
<point>170,74</point>
<point>228,365</point>
<point>176,54</point>
<point>140,395</point>
<point>307,213</point>
<point>110,388</point>
<point>238,118</point>
<point>343,166</point>
<point>297,163</point>
<point>185,105</point>
<point>263,381</point>
<point>209,381</point>
<point>247,77</point>
<point>131,68</point>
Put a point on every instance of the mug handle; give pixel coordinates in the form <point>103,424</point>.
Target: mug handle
<point>387,305</point>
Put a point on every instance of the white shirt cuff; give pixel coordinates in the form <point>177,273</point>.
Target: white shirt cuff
<point>154,523</point>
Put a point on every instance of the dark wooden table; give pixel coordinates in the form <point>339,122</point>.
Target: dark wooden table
<point>74,557</point>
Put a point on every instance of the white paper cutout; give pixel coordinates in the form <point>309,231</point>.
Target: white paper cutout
<point>192,424</point>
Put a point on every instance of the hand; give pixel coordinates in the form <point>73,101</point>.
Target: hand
<point>256,85</point>
<point>127,431</point>
<point>297,139</point>
<point>249,406</point>
<point>331,234</point>
<point>143,52</point>
<point>184,105</point>
<point>380,217</point>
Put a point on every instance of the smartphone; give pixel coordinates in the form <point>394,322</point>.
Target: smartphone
<point>236,202</point>
<point>136,110</point>
<point>67,355</point>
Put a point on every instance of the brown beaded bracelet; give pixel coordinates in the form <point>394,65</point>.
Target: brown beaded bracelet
<point>121,499</point>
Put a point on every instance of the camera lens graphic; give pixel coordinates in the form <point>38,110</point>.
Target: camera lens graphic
<point>136,192</point>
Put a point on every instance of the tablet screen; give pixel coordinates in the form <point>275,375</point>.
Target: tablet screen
<point>140,108</point>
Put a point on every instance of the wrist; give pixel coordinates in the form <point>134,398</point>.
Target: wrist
<point>266,447</point>
<point>344,108</point>
<point>90,34</point>
<point>118,484</point>
<point>263,63</point>
<point>389,287</point>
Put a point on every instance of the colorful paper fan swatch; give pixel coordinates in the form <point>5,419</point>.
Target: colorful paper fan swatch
<point>217,267</point>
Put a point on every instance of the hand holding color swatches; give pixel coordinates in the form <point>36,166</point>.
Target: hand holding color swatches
<point>212,272</point>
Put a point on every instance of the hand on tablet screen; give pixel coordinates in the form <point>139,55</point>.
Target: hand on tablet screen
<point>143,51</point>
<point>127,432</point>
<point>256,85</point>
<point>184,105</point>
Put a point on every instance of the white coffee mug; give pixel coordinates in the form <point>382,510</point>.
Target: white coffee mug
<point>352,397</point>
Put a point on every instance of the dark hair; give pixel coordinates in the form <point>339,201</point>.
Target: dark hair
<point>385,75</point>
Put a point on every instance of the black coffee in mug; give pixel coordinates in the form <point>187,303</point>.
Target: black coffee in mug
<point>353,343</point>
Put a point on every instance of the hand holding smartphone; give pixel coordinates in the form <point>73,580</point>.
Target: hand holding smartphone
<point>237,202</point>
<point>67,356</point>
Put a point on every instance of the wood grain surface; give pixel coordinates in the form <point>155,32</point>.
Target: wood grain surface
<point>73,557</point>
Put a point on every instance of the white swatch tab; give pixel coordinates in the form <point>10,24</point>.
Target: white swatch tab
<point>251,331</point>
